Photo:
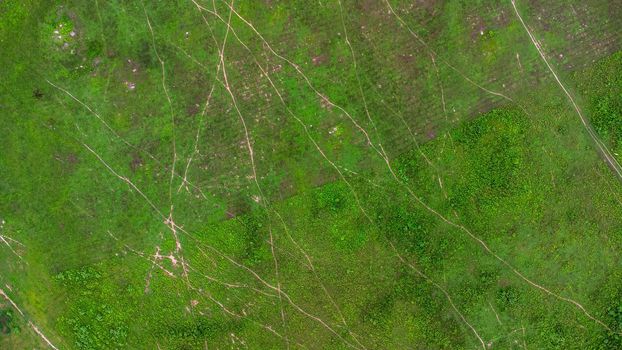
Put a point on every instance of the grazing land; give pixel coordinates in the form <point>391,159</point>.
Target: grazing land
<point>330,174</point>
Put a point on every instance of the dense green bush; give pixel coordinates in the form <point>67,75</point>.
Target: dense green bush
<point>93,320</point>
<point>8,323</point>
<point>507,297</point>
<point>613,339</point>
<point>494,150</point>
<point>602,85</point>
<point>332,198</point>
<point>378,311</point>
<point>253,235</point>
<point>195,331</point>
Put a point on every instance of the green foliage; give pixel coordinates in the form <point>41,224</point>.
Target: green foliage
<point>8,322</point>
<point>12,13</point>
<point>95,318</point>
<point>194,332</point>
<point>494,149</point>
<point>602,85</point>
<point>94,49</point>
<point>84,277</point>
<point>413,232</point>
<point>253,234</point>
<point>508,297</point>
<point>613,339</point>
<point>350,235</point>
<point>378,311</point>
<point>332,198</point>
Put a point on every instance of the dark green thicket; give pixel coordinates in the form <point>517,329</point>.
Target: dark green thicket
<point>412,231</point>
<point>331,198</point>
<point>614,339</point>
<point>95,320</point>
<point>8,322</point>
<point>612,314</point>
<point>193,332</point>
<point>254,232</point>
<point>602,86</point>
<point>494,148</point>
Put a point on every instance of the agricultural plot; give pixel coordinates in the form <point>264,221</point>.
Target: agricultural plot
<point>310,175</point>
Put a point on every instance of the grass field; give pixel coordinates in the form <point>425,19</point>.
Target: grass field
<point>310,175</point>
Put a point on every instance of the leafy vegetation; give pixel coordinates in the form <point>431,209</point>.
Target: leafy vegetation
<point>91,321</point>
<point>8,322</point>
<point>602,86</point>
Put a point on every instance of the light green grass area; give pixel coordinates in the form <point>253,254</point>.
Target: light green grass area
<point>309,175</point>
